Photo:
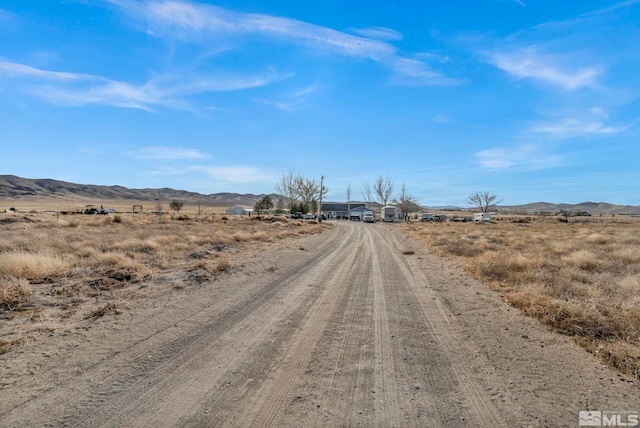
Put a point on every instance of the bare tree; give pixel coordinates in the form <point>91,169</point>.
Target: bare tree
<point>383,188</point>
<point>483,200</point>
<point>307,190</point>
<point>366,193</point>
<point>288,187</point>
<point>405,201</point>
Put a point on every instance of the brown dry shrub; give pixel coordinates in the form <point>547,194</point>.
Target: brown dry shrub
<point>597,239</point>
<point>33,266</point>
<point>147,246</point>
<point>111,271</point>
<point>223,265</point>
<point>242,237</point>
<point>106,309</point>
<point>14,293</point>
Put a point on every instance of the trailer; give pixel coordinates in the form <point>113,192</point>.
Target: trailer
<point>388,213</point>
<point>482,217</point>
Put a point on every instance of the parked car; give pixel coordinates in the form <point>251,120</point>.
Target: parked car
<point>427,217</point>
<point>369,218</point>
<point>296,215</point>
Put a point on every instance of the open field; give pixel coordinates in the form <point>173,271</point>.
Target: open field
<point>57,271</point>
<point>580,279</point>
<point>41,204</point>
<point>354,326</point>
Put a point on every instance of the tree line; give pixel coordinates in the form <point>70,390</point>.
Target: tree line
<point>300,194</point>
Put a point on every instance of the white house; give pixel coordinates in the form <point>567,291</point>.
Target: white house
<point>239,210</point>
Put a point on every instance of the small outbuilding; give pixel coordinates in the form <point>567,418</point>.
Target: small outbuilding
<point>239,210</point>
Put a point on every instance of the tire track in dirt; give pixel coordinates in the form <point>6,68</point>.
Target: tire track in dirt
<point>450,339</point>
<point>299,355</point>
<point>250,327</point>
<point>356,313</point>
<point>425,389</point>
<point>386,387</point>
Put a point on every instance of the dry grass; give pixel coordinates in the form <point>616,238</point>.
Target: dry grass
<point>581,279</point>
<point>72,268</point>
<point>106,309</point>
<point>14,293</point>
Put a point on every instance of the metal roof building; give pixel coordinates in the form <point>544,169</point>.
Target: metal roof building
<point>339,210</point>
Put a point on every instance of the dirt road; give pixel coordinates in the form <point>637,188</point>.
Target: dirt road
<point>354,327</point>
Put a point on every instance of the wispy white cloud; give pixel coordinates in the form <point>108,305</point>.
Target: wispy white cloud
<point>518,2</point>
<point>380,33</point>
<point>433,56</point>
<point>594,14</point>
<point>525,156</point>
<point>277,104</point>
<point>306,91</point>
<point>193,21</point>
<point>411,72</point>
<point>13,69</point>
<point>528,63</point>
<point>5,15</point>
<point>76,89</point>
<point>571,127</point>
<point>166,153</point>
<point>441,118</point>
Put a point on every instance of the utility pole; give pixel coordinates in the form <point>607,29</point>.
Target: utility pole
<point>321,192</point>
<point>349,202</point>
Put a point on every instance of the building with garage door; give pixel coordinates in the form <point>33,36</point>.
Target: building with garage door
<point>338,209</point>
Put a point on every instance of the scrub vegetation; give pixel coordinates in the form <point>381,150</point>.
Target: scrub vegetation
<point>56,270</point>
<point>580,279</point>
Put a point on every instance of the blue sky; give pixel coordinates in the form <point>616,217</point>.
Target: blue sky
<point>532,100</point>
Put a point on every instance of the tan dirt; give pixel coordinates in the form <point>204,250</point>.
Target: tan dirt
<point>357,326</point>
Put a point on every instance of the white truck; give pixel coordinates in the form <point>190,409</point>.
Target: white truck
<point>388,213</point>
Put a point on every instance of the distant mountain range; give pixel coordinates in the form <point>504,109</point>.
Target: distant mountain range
<point>593,208</point>
<point>24,188</point>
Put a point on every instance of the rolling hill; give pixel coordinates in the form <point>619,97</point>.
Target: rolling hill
<point>24,188</point>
